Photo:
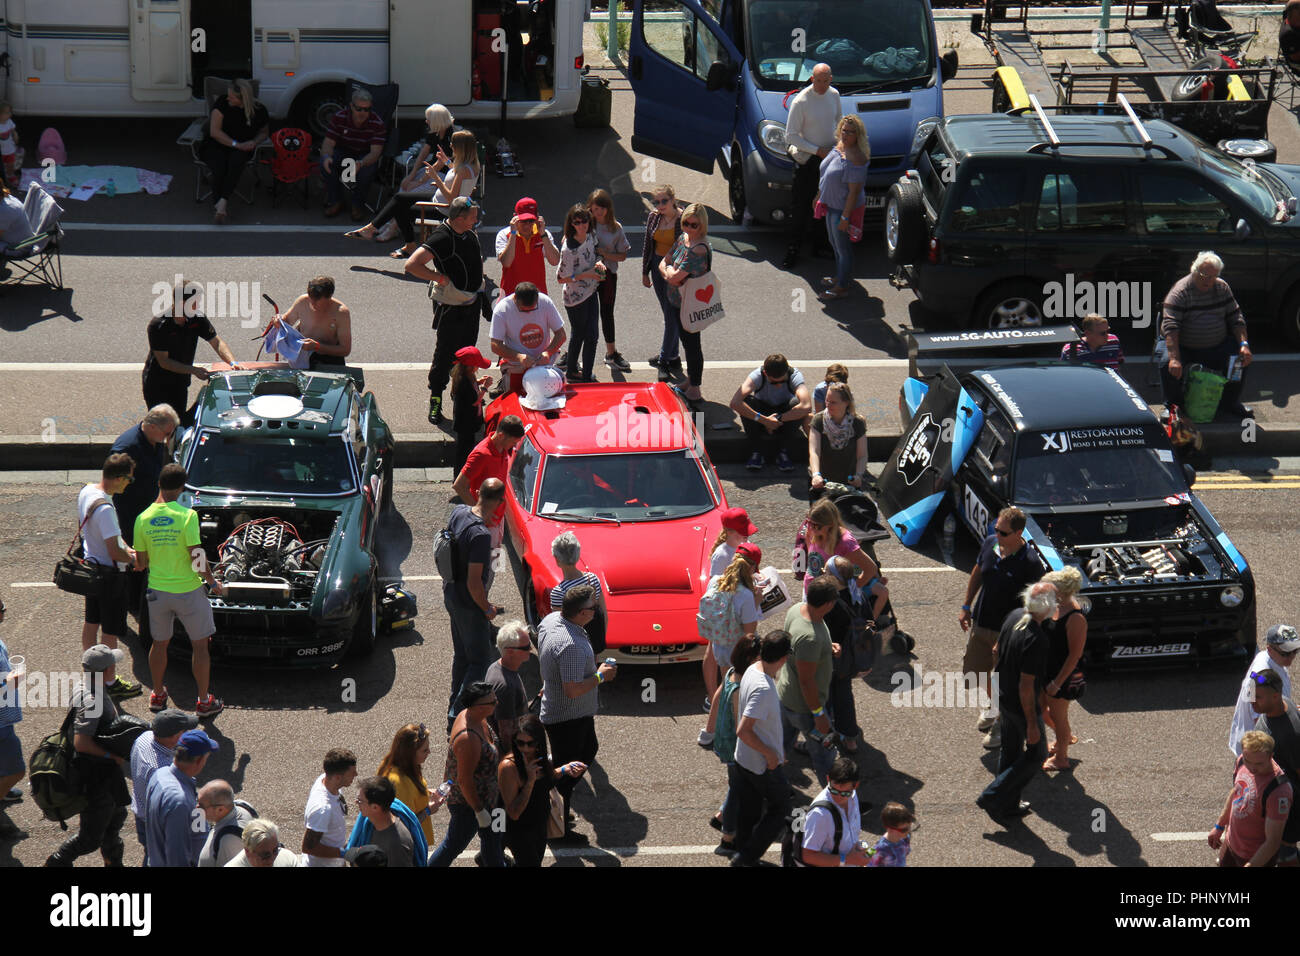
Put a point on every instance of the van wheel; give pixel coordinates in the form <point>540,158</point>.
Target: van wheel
<point>736,188</point>
<point>1256,150</point>
<point>904,223</point>
<point>365,631</point>
<point>1290,316</point>
<point>1012,305</point>
<point>312,110</point>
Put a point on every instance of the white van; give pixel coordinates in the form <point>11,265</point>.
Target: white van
<point>150,57</point>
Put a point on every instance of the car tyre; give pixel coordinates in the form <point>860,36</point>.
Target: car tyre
<point>904,223</point>
<point>1011,305</point>
<point>1256,150</point>
<point>736,200</point>
<point>365,630</point>
<point>1191,85</point>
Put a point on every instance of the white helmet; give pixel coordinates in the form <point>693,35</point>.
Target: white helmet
<point>543,388</point>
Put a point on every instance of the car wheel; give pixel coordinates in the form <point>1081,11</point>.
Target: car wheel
<point>313,109</point>
<point>1013,305</point>
<point>1256,150</point>
<point>1191,85</point>
<point>736,187</point>
<point>1290,317</point>
<point>365,632</point>
<point>904,223</point>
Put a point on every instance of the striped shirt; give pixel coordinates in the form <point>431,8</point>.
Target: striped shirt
<point>565,657</point>
<point>147,755</point>
<point>352,140</point>
<point>1110,354</point>
<point>563,588</point>
<point>1200,319</point>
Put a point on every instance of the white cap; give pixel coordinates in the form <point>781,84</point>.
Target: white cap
<point>543,388</point>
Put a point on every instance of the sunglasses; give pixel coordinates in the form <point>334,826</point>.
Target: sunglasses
<point>266,854</point>
<point>422,734</point>
<point>525,743</point>
<point>1003,534</point>
<point>663,202</point>
<point>343,803</point>
<point>842,793</point>
<point>691,223</point>
<point>521,647</point>
<point>580,220</point>
<point>1261,677</point>
<point>361,109</point>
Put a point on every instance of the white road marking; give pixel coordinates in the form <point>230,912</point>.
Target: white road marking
<point>1178,837</point>
<point>33,584</point>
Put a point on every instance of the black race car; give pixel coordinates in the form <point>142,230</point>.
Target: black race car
<point>1075,448</point>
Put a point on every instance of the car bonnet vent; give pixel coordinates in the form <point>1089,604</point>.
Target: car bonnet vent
<point>277,387</point>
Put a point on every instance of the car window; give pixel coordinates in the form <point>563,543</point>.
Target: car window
<point>989,201</point>
<point>938,170</point>
<point>682,38</point>
<point>633,487</point>
<point>1082,201</point>
<point>1096,466</point>
<point>1246,182</point>
<point>1179,205</point>
<point>994,444</point>
<point>523,473</point>
<point>279,466</point>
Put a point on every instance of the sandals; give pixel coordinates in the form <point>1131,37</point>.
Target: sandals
<point>1051,766</point>
<point>829,295</point>
<point>387,234</point>
<point>401,253</point>
<point>359,234</point>
<point>1051,748</point>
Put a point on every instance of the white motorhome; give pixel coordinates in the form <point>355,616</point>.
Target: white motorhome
<point>150,57</point>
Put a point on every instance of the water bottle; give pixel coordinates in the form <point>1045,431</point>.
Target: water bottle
<point>445,790</point>
<point>949,530</point>
<point>111,189</point>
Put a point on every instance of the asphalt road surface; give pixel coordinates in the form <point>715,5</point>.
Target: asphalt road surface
<point>1152,764</point>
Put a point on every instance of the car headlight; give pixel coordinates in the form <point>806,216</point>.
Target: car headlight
<point>1085,603</point>
<point>1232,595</point>
<point>336,603</point>
<point>923,129</point>
<point>772,136</point>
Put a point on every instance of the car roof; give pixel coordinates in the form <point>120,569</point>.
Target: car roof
<point>1056,396</point>
<point>609,418</point>
<point>987,134</point>
<point>324,397</point>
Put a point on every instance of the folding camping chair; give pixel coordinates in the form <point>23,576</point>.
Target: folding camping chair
<point>383,100</point>
<point>291,162</point>
<point>214,87</point>
<point>37,258</point>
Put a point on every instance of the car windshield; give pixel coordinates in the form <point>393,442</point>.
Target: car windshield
<point>1090,466</point>
<point>280,466</point>
<point>638,487</point>
<point>1251,185</point>
<point>869,44</point>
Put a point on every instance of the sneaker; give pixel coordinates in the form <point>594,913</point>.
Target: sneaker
<point>210,707</point>
<point>783,462</point>
<point>13,796</point>
<point>616,361</point>
<point>755,462</point>
<point>993,739</point>
<point>724,848</point>
<point>653,361</point>
<point>705,740</point>
<point>675,366</point>
<point>987,721</point>
<point>123,689</point>
<point>158,701</point>
<point>664,375</point>
<point>435,409</point>
<point>708,705</point>
<point>563,359</point>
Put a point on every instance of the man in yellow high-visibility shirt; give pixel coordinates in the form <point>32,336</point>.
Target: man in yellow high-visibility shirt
<point>167,543</point>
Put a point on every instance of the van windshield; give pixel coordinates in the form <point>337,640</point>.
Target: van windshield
<point>869,44</point>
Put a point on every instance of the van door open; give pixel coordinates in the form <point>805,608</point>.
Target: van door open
<point>430,62</point>
<point>683,70</point>
<point>160,50</point>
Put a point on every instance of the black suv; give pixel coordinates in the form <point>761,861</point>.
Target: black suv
<point>1009,219</point>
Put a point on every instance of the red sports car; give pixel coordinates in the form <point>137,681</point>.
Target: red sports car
<point>623,467</point>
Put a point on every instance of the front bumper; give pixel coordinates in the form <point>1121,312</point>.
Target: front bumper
<point>280,637</point>
<point>1144,631</point>
<point>641,654</point>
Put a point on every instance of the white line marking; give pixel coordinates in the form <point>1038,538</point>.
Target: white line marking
<point>33,584</point>
<point>1178,837</point>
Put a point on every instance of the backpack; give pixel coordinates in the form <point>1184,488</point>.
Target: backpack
<point>792,839</point>
<point>232,825</point>
<point>1268,791</point>
<point>717,619</point>
<point>57,787</point>
<point>444,556</point>
<point>724,731</point>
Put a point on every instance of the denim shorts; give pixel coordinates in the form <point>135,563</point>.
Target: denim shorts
<point>11,752</point>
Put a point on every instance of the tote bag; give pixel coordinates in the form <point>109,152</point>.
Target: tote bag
<point>701,302</point>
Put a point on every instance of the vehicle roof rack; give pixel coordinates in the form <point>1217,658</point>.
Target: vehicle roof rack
<point>1137,123</point>
<point>1042,118</point>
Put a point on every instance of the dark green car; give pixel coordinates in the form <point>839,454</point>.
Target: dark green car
<point>289,471</point>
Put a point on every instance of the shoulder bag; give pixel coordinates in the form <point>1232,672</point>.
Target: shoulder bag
<point>77,574</point>
<point>701,300</point>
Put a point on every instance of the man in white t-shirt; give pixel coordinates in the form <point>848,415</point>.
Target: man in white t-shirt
<point>758,782</point>
<point>527,330</point>
<point>104,545</point>
<point>809,137</point>
<point>841,791</point>
<point>325,819</point>
<point>1280,647</point>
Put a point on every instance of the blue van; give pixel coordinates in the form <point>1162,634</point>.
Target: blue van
<point>714,79</point>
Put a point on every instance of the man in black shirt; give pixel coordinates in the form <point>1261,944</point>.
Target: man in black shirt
<point>1022,664</point>
<point>173,339</point>
<point>466,596</point>
<point>457,258</point>
<point>1278,718</point>
<point>1289,37</point>
<point>1004,568</point>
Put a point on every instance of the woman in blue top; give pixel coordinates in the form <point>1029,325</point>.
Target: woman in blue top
<point>690,256</point>
<point>841,191</point>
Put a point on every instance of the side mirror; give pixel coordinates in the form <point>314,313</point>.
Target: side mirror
<point>1242,229</point>
<point>718,77</point>
<point>1190,474</point>
<point>948,66</point>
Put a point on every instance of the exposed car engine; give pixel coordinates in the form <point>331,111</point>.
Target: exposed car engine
<point>265,561</point>
<point>1145,561</point>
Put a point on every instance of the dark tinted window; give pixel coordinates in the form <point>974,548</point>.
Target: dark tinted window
<point>989,201</point>
<point>1082,200</point>
<point>1173,205</point>
<point>523,473</point>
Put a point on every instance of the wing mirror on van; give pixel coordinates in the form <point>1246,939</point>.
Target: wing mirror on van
<point>1190,474</point>
<point>720,75</point>
<point>948,66</point>
<point>1242,229</point>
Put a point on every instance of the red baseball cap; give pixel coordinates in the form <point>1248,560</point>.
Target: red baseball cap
<point>737,519</point>
<point>471,356</point>
<point>526,209</point>
<point>750,552</point>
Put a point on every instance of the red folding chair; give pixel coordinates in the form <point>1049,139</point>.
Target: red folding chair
<point>291,162</point>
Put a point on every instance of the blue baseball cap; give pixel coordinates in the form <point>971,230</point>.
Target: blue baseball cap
<point>196,743</point>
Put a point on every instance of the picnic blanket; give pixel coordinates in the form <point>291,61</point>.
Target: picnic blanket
<point>127,179</point>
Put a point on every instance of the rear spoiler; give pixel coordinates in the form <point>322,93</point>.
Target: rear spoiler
<point>936,344</point>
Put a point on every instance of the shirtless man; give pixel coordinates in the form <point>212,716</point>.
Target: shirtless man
<point>325,323</point>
